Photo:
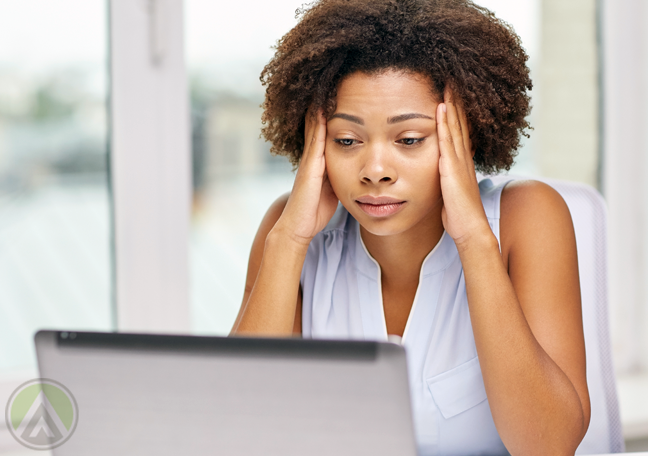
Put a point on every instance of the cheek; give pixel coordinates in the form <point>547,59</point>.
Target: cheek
<point>423,176</point>
<point>425,164</point>
<point>339,173</point>
<point>426,178</point>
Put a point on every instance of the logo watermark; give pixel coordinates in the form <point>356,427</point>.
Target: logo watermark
<point>41,414</point>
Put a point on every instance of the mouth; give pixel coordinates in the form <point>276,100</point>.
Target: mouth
<point>380,206</point>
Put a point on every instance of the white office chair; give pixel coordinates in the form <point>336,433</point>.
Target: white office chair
<point>589,215</point>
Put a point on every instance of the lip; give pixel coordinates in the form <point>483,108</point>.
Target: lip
<point>380,206</point>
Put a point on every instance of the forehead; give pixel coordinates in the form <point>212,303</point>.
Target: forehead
<point>388,90</point>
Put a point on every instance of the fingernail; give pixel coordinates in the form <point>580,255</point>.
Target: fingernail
<point>443,106</point>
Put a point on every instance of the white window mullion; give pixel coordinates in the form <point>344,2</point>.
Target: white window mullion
<point>150,165</point>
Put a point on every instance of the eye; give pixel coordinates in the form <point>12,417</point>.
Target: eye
<point>410,141</point>
<point>345,142</point>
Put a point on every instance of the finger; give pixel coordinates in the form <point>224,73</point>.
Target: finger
<point>315,134</point>
<point>314,163</point>
<point>465,153</point>
<point>322,124</point>
<point>468,150</point>
<point>465,130</point>
<point>446,142</point>
<point>309,131</point>
<point>454,124</point>
<point>319,136</point>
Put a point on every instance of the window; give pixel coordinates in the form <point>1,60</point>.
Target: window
<point>235,178</point>
<point>55,259</point>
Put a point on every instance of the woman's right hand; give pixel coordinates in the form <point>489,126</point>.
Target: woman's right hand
<point>312,201</point>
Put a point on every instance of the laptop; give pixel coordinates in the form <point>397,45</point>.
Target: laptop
<point>143,394</point>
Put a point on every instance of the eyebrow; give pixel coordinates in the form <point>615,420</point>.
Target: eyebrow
<point>390,120</point>
<point>403,117</point>
<point>348,117</point>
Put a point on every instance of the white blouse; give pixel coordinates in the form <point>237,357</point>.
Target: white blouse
<point>342,298</point>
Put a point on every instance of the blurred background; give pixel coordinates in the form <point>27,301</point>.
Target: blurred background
<point>57,243</point>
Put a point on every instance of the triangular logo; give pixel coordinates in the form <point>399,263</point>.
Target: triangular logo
<point>42,414</point>
<point>41,429</point>
<point>41,425</point>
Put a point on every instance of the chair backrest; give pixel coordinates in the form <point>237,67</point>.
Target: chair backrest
<point>589,215</point>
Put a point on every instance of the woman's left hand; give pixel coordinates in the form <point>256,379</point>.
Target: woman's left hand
<point>463,214</point>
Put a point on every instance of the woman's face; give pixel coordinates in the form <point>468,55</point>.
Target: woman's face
<point>382,151</point>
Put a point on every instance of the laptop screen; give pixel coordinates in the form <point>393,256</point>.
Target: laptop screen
<point>165,394</point>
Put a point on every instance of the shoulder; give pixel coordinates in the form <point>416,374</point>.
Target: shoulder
<point>276,208</point>
<point>267,223</point>
<point>520,194</point>
<point>271,216</point>
<point>532,212</point>
<point>530,200</point>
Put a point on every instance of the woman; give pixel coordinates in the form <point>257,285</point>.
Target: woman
<point>388,107</point>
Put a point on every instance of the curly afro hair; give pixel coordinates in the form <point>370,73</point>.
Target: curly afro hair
<point>451,42</point>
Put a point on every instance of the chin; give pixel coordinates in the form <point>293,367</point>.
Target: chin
<point>384,227</point>
<point>382,232</point>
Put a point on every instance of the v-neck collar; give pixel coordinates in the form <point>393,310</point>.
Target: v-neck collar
<point>439,258</point>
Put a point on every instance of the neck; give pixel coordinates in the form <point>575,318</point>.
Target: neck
<point>401,255</point>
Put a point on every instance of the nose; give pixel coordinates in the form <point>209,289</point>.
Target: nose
<point>378,168</point>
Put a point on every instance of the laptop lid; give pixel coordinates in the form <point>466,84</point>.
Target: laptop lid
<point>140,394</point>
